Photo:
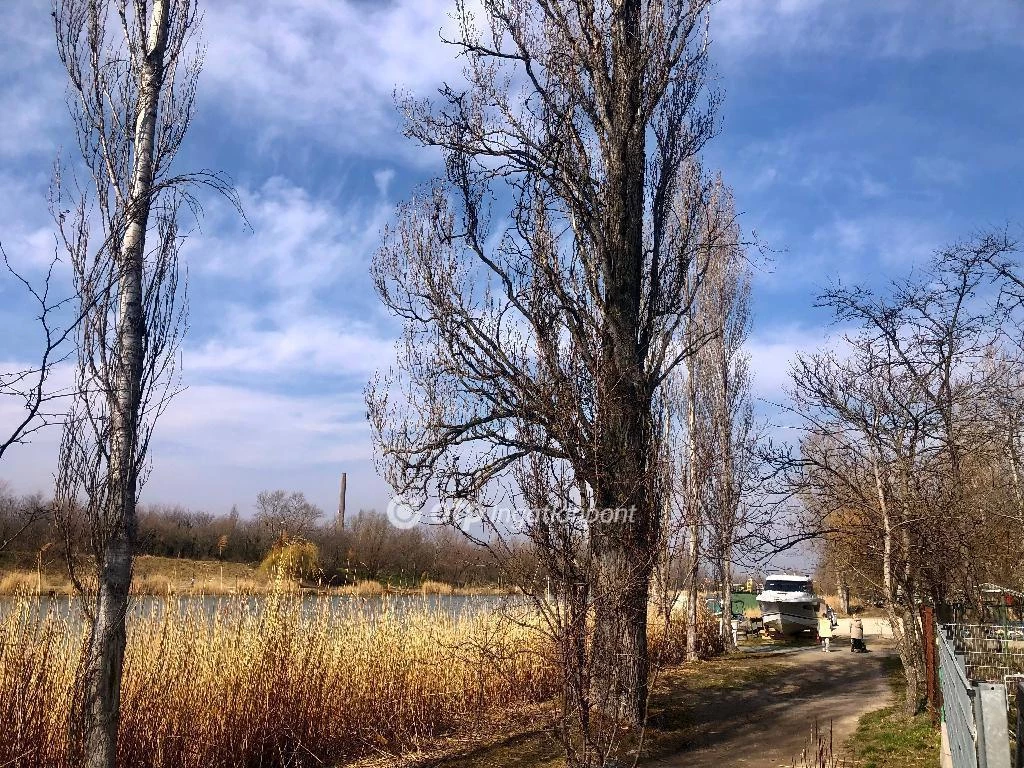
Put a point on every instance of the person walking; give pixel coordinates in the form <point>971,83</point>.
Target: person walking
<point>857,635</point>
<point>825,632</point>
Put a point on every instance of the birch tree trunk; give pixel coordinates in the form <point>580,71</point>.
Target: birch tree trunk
<point>727,599</point>
<point>106,644</point>
<point>132,68</point>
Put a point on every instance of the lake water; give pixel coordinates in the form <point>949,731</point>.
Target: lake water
<point>370,607</point>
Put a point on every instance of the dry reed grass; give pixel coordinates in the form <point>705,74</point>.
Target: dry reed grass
<point>429,587</point>
<point>293,683</point>
<point>285,681</point>
<point>820,752</point>
<point>18,582</point>
<point>161,576</point>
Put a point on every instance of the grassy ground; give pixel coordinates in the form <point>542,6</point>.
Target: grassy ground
<point>888,739</point>
<point>672,726</point>
<point>883,739</point>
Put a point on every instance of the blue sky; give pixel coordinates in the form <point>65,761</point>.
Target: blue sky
<point>858,136</point>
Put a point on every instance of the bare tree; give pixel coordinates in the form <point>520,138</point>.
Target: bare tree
<point>713,439</point>
<point>729,415</point>
<point>898,429</point>
<point>289,515</point>
<point>132,69</point>
<point>863,453</point>
<point>544,335</point>
<point>697,460</point>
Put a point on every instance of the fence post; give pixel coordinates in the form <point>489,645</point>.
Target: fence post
<point>993,731</point>
<point>1019,696</point>
<point>931,662</point>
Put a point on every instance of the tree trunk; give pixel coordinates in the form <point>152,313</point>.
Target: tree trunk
<point>101,681</point>
<point>105,649</point>
<point>624,551</point>
<point>901,620</point>
<point>692,595</point>
<point>844,593</point>
<point>693,515</point>
<point>727,599</point>
<point>621,664</point>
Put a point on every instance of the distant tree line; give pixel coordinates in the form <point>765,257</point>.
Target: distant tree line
<point>367,548</point>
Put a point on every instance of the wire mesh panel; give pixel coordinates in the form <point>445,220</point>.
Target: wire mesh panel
<point>988,658</point>
<point>993,653</point>
<point>958,706</point>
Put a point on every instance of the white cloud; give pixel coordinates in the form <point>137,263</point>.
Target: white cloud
<point>892,240</point>
<point>298,242</point>
<point>217,445</point>
<point>26,230</point>
<point>31,81</point>
<point>242,426</point>
<point>772,351</point>
<point>383,179</point>
<point>296,348</point>
<point>296,288</point>
<point>939,170</point>
<point>329,66</point>
<point>283,339</point>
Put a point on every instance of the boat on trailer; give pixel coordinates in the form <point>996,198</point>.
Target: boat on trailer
<point>788,604</point>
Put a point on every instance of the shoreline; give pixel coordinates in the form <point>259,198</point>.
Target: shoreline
<point>161,576</point>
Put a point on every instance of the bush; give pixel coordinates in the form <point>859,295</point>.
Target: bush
<point>295,559</point>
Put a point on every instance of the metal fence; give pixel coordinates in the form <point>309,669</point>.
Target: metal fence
<point>978,669</point>
<point>1016,719</point>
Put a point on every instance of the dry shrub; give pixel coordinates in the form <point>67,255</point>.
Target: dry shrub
<point>368,588</point>
<point>244,587</point>
<point>668,644</point>
<point>30,582</point>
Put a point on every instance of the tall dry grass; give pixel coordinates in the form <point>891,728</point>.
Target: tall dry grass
<point>294,683</point>
<point>283,681</point>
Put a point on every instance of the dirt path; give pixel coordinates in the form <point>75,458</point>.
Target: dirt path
<point>769,725</point>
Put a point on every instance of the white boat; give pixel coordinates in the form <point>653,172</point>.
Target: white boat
<point>788,604</point>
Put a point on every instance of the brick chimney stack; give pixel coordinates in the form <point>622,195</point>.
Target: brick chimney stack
<point>341,500</point>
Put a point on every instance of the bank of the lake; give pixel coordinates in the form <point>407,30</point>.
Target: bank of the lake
<point>167,575</point>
